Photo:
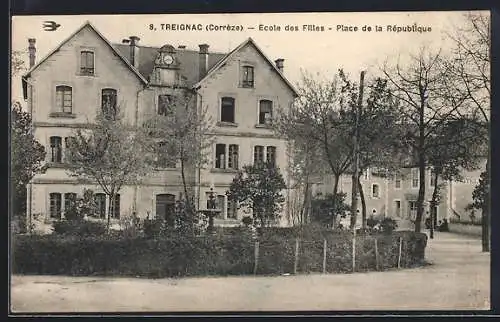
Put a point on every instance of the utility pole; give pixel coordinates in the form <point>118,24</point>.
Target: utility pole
<point>355,175</point>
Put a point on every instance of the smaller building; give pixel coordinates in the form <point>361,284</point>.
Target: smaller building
<point>396,196</point>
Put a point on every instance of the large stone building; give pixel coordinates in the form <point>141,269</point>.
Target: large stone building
<point>86,72</point>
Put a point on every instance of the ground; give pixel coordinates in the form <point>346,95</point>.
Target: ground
<point>459,278</point>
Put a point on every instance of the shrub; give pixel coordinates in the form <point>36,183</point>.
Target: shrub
<point>79,228</point>
<point>388,225</point>
<point>229,253</point>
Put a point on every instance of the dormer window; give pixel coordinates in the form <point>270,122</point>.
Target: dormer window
<point>265,111</point>
<point>247,74</point>
<point>87,63</point>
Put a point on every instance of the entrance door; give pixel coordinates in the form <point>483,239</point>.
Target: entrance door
<point>165,206</point>
<point>397,208</point>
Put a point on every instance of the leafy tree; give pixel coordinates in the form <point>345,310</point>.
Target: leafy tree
<point>111,153</point>
<point>259,188</point>
<point>458,145</point>
<point>17,63</point>
<point>326,209</point>
<point>471,68</point>
<point>27,155</point>
<point>183,135</point>
<point>480,195</point>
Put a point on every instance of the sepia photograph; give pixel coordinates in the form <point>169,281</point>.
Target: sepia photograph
<point>250,162</point>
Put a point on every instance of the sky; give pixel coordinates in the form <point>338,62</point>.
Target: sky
<point>321,53</point>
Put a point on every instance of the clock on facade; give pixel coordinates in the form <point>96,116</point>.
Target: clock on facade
<point>167,59</point>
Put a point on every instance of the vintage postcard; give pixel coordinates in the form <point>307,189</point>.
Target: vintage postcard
<point>271,162</point>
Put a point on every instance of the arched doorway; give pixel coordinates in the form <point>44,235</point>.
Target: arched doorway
<point>165,207</point>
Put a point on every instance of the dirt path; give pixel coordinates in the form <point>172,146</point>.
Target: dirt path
<point>458,279</point>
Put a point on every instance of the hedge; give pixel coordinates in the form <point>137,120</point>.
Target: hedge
<point>220,254</point>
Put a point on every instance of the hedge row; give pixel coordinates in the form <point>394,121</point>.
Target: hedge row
<point>222,254</point>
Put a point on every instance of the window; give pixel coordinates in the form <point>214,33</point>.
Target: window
<point>164,107</point>
<point>69,201</point>
<point>116,207</point>
<point>64,99</point>
<point>375,191</point>
<point>412,209</point>
<point>247,76</point>
<point>265,111</point>
<point>227,110</point>
<point>220,203</point>
<point>433,178</point>
<point>271,155</point>
<point>166,156</point>
<point>258,154</point>
<point>232,210</point>
<point>397,181</point>
<point>232,162</point>
<point>108,103</point>
<point>220,156</point>
<point>55,149</point>
<point>100,205</point>
<point>55,205</point>
<point>87,63</point>
<point>415,178</point>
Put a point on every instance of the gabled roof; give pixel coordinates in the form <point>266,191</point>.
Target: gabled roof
<point>86,24</point>
<point>189,61</point>
<point>232,53</point>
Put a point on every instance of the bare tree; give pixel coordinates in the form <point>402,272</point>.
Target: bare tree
<point>422,85</point>
<point>313,121</point>
<point>110,152</point>
<point>183,134</point>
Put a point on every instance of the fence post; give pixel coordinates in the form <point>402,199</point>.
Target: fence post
<point>256,258</point>
<point>296,262</point>
<point>324,256</point>
<point>354,253</point>
<point>376,254</point>
<point>399,253</point>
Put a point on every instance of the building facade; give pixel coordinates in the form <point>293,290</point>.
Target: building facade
<point>396,196</point>
<point>240,91</point>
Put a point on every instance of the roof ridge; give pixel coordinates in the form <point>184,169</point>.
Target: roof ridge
<point>180,49</point>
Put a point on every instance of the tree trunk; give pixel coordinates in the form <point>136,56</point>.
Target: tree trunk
<point>421,194</point>
<point>485,217</point>
<point>335,190</point>
<point>188,206</point>
<point>363,204</point>
<point>434,204</point>
<point>305,204</point>
<point>110,210</point>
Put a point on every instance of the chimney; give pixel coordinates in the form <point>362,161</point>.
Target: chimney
<point>279,64</point>
<point>203,60</point>
<point>32,51</point>
<point>134,51</point>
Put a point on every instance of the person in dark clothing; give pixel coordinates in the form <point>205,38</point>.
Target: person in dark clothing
<point>443,226</point>
<point>428,221</point>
